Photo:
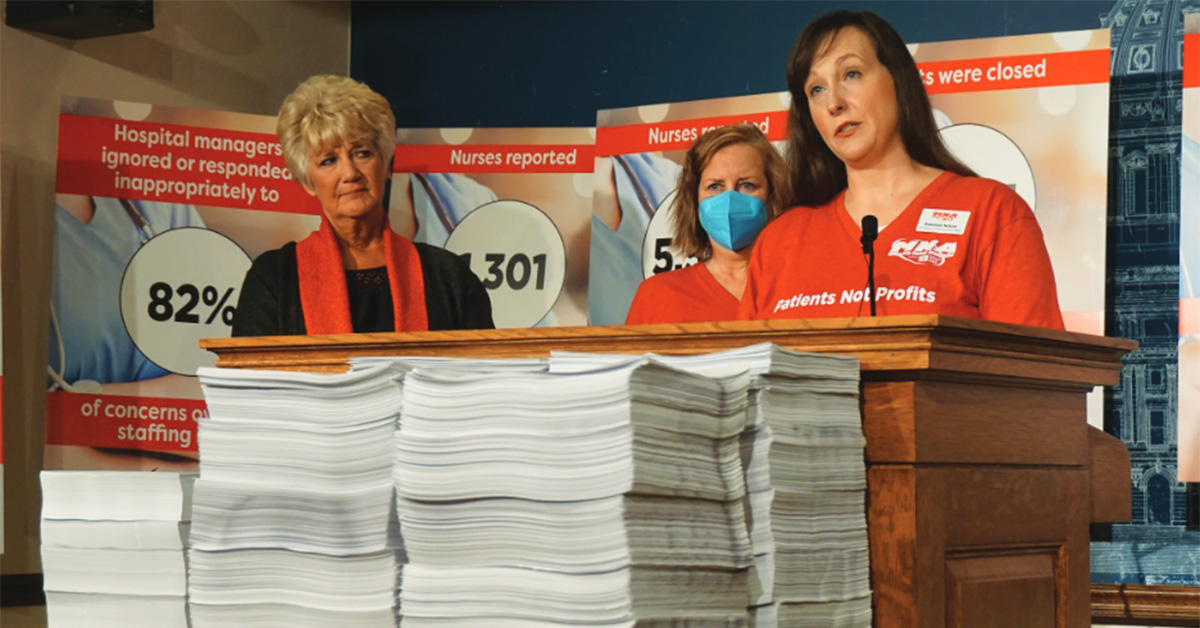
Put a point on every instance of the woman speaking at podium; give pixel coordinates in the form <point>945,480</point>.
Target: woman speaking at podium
<point>864,143</point>
<point>733,183</point>
<point>354,274</point>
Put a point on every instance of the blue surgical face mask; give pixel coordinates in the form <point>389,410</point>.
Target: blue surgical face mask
<point>733,219</point>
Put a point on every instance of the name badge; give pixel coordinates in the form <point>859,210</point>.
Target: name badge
<point>951,221</point>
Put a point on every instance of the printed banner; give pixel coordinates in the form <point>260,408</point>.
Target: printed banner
<point>175,163</point>
<point>1017,71</point>
<point>1189,258</point>
<point>158,214</point>
<point>514,203</point>
<point>123,422</point>
<point>639,152</point>
<point>1042,129</point>
<point>1030,111</point>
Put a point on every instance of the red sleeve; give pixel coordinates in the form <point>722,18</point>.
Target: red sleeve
<point>1017,277</point>
<point>643,311</point>
<point>748,307</point>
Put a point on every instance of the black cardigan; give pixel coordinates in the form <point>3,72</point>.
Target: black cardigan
<point>269,303</point>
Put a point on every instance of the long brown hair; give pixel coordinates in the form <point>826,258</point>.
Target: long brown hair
<point>817,175</point>
<point>690,237</point>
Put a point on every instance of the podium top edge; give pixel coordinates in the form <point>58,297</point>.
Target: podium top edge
<point>934,324</point>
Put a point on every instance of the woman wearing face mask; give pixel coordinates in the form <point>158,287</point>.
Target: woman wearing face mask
<point>863,142</point>
<point>732,184</point>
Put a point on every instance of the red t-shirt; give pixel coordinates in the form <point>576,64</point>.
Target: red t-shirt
<point>965,246</point>
<point>688,295</point>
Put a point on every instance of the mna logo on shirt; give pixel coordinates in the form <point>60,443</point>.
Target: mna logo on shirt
<point>923,251</point>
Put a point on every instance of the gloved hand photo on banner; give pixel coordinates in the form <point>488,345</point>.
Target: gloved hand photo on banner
<point>158,211</point>
<point>94,240</point>
<point>629,189</point>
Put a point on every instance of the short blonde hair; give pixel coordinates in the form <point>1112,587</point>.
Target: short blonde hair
<point>690,237</point>
<point>328,110</point>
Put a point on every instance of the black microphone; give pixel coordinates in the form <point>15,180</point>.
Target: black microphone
<point>870,231</point>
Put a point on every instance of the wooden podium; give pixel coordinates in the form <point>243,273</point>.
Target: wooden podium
<point>983,474</point>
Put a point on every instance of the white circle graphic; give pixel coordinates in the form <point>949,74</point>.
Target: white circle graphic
<point>1073,40</point>
<point>132,110</point>
<point>457,136</point>
<point>181,286</point>
<point>653,113</point>
<point>1057,100</point>
<point>992,154</point>
<point>518,254</point>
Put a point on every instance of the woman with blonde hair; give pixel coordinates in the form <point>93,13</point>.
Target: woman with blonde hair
<point>354,274</point>
<point>733,183</point>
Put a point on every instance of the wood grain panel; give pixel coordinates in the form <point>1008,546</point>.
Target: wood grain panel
<point>1007,508</point>
<point>993,506</point>
<point>906,531</point>
<point>892,529</point>
<point>931,525</point>
<point>1001,591</point>
<point>889,421</point>
<point>1112,498</point>
<point>963,423</point>
<point>988,424</point>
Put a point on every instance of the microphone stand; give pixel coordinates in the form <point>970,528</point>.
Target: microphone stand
<point>870,231</point>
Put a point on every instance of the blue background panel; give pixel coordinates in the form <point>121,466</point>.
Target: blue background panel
<point>556,63</point>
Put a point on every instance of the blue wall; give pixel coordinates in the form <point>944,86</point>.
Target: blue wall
<point>556,63</point>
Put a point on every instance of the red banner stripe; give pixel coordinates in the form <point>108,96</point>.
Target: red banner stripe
<point>1019,72</point>
<point>146,423</point>
<point>492,158</point>
<point>680,134</point>
<point>942,77</point>
<point>174,163</point>
<point>1191,60</point>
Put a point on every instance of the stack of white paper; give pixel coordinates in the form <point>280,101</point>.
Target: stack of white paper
<point>609,497</point>
<point>802,452</point>
<point>818,515</point>
<point>113,548</point>
<point>293,521</point>
<point>614,491</point>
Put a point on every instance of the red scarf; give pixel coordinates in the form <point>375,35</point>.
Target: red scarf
<point>323,294</point>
